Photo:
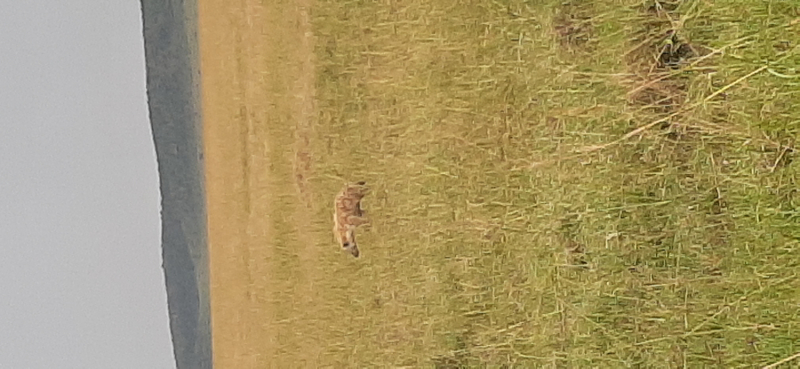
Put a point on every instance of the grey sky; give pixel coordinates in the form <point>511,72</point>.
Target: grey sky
<point>81,284</point>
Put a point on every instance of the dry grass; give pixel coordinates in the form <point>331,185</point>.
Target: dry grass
<point>567,185</point>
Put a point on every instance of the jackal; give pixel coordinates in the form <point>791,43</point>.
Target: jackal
<point>347,215</point>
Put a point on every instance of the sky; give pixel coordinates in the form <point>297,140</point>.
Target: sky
<point>81,284</point>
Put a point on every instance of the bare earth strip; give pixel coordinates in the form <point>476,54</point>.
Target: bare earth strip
<point>258,101</point>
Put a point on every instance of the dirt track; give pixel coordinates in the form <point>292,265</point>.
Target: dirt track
<point>258,88</point>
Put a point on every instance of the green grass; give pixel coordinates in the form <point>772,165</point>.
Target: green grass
<point>546,193</point>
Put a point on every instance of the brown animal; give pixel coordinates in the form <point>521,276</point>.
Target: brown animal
<point>347,215</point>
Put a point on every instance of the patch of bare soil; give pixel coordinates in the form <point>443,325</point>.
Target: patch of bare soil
<point>573,25</point>
<point>659,51</point>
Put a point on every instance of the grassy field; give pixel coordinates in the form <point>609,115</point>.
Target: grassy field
<point>564,184</point>
<point>555,184</point>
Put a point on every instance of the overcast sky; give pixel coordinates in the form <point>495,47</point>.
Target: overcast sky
<point>81,284</point>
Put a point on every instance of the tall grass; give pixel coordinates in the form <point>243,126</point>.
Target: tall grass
<point>563,184</point>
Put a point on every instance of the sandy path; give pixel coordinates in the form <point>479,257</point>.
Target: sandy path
<point>258,88</point>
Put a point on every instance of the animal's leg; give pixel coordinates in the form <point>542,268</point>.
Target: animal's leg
<point>359,211</point>
<point>356,220</point>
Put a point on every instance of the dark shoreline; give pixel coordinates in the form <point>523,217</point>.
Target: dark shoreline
<point>173,93</point>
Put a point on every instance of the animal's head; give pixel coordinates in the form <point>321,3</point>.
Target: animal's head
<point>348,241</point>
<point>351,247</point>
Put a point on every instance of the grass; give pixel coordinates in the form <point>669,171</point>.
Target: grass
<point>562,184</point>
